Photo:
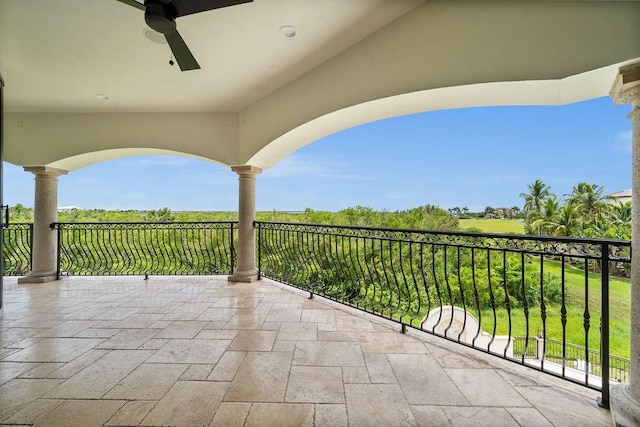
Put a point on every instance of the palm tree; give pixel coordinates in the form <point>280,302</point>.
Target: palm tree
<point>620,213</point>
<point>535,198</point>
<point>546,220</point>
<point>566,222</point>
<point>588,201</point>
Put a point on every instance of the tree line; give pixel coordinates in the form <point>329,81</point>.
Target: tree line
<point>582,213</point>
<point>423,217</point>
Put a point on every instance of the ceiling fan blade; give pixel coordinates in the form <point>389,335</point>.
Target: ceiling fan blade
<point>133,3</point>
<point>188,7</point>
<point>183,55</point>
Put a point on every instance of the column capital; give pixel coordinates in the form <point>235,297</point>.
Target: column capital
<point>246,170</point>
<point>626,88</point>
<point>45,170</point>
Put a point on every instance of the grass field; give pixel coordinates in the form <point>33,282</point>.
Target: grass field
<point>507,226</point>
<point>619,315</point>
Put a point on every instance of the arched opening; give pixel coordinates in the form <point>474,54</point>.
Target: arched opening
<point>474,157</point>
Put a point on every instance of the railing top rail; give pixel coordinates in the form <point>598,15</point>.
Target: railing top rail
<point>562,239</point>
<point>56,225</point>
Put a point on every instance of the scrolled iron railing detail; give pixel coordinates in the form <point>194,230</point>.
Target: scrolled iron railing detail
<point>17,248</point>
<point>182,248</point>
<point>481,290</point>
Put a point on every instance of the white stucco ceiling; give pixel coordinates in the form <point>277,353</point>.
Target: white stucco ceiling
<point>260,96</point>
<point>55,56</point>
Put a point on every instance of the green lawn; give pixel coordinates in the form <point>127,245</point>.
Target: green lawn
<point>507,226</point>
<point>619,315</point>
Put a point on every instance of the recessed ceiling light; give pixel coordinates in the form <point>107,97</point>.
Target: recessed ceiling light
<point>154,36</point>
<point>289,31</point>
<point>102,97</point>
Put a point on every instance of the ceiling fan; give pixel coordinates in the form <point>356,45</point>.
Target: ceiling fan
<point>160,16</point>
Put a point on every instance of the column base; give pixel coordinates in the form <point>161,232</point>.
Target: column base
<point>244,276</point>
<point>32,277</point>
<point>625,408</point>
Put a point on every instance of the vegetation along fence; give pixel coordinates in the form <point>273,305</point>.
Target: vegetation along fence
<point>146,248</point>
<point>480,290</point>
<point>17,249</point>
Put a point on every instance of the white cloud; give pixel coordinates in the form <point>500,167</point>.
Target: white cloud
<point>623,142</point>
<point>298,165</point>
<point>625,135</point>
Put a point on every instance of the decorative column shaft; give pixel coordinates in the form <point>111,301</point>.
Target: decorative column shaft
<point>625,398</point>
<point>246,270</point>
<point>45,212</point>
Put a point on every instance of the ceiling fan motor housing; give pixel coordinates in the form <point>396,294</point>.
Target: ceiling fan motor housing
<point>158,17</point>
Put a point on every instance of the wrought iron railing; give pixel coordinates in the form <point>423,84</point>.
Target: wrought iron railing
<point>146,248</point>
<point>574,356</point>
<point>479,290</point>
<point>16,248</point>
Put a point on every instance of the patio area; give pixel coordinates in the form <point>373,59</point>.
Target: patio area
<point>197,350</point>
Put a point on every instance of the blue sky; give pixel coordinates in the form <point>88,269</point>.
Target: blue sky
<point>473,157</point>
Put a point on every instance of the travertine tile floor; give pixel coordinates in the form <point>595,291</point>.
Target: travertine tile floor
<point>200,351</point>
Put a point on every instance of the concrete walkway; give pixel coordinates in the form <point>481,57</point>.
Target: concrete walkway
<point>200,351</point>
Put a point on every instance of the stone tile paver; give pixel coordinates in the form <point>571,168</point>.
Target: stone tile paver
<point>384,403</point>
<point>231,414</point>
<point>16,394</point>
<point>11,370</point>
<point>34,411</point>
<point>473,416</point>
<point>187,403</point>
<point>560,407</point>
<point>200,351</point>
<point>128,339</point>
<point>528,417</point>
<point>484,387</point>
<point>98,378</point>
<point>284,313</point>
<point>331,415</point>
<point>280,415</point>
<point>132,413</point>
<point>66,329</point>
<point>197,372</point>
<point>429,416</point>
<point>149,381</point>
<point>423,381</point>
<point>298,332</point>
<point>54,350</point>
<point>227,366</point>
<point>81,413</point>
<point>262,377</point>
<point>379,369</point>
<point>318,353</point>
<point>253,340</point>
<point>314,384</point>
<point>182,329</point>
<point>190,351</point>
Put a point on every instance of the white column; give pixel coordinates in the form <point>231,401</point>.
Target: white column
<point>246,271</point>
<point>625,398</point>
<point>45,211</point>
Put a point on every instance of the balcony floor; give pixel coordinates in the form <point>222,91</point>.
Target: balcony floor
<point>200,351</point>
